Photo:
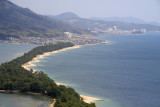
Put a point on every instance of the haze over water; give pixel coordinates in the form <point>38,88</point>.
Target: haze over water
<point>125,74</point>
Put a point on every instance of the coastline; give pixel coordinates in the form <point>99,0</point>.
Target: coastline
<point>29,64</point>
<point>36,59</point>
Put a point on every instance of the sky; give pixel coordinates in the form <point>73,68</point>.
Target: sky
<point>148,10</point>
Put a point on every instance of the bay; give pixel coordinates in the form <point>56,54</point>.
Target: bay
<point>11,51</point>
<point>124,74</point>
<point>20,100</point>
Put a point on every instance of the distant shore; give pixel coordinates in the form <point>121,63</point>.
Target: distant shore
<point>29,64</point>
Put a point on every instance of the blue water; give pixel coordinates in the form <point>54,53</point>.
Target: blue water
<point>125,74</point>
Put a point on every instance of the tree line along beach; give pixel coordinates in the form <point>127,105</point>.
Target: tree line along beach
<point>29,64</point>
<point>28,85</point>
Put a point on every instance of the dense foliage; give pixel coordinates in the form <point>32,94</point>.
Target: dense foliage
<point>15,77</point>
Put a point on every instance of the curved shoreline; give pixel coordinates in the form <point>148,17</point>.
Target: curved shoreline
<point>29,64</point>
<point>36,59</point>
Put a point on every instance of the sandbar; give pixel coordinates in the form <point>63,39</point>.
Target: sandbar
<point>29,64</point>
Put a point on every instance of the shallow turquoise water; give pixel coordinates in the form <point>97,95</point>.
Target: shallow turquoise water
<point>125,74</point>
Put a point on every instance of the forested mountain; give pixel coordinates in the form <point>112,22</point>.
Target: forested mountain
<point>17,21</point>
<point>102,25</point>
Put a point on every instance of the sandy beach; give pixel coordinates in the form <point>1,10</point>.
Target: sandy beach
<point>53,102</point>
<point>29,64</point>
<point>89,99</point>
<point>38,57</point>
<point>62,84</point>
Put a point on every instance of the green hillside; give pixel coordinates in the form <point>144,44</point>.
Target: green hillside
<point>16,21</point>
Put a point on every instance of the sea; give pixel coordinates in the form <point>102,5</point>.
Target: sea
<point>123,74</point>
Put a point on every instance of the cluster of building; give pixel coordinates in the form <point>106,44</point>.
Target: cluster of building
<point>74,38</point>
<point>28,40</point>
<point>68,37</point>
<point>115,30</point>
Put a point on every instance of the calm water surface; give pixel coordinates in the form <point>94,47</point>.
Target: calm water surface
<point>125,74</point>
<point>19,100</point>
<point>11,51</point>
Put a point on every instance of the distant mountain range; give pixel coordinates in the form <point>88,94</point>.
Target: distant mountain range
<point>126,20</point>
<point>65,16</point>
<point>101,25</point>
<point>16,21</point>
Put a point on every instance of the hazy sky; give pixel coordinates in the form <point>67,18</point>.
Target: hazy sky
<point>148,10</point>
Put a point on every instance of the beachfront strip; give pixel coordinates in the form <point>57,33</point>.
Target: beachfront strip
<point>14,77</point>
<point>31,63</point>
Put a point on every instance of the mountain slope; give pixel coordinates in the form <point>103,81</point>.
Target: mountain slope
<point>16,21</point>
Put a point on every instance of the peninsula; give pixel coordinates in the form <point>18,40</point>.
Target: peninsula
<point>29,64</point>
<point>14,77</point>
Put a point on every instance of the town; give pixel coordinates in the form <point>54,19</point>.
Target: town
<point>74,38</point>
